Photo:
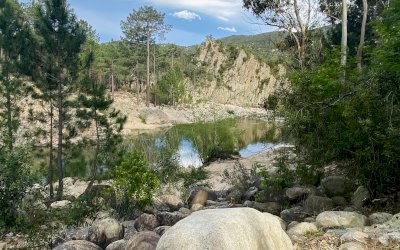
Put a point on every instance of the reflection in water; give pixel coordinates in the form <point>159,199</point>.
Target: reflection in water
<point>258,147</point>
<point>188,155</point>
<point>194,144</point>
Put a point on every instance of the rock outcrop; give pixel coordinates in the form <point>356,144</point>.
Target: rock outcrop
<point>232,76</point>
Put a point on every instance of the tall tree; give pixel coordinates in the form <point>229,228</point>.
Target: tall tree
<point>297,17</point>
<point>144,26</point>
<point>14,39</point>
<point>95,106</point>
<point>362,35</point>
<point>61,37</point>
<point>343,44</point>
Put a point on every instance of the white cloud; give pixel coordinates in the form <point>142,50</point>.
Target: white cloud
<point>233,29</point>
<point>222,9</point>
<point>187,15</point>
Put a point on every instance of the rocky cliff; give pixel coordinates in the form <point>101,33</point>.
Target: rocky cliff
<point>232,76</point>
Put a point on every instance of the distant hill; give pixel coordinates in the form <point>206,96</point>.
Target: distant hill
<point>264,45</point>
<point>260,42</point>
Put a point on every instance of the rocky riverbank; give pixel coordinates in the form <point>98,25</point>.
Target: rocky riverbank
<point>140,117</point>
<point>336,214</point>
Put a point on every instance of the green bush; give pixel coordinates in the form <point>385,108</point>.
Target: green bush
<point>193,176</point>
<point>135,180</point>
<point>14,180</point>
<point>336,113</point>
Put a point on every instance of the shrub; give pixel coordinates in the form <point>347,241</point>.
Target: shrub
<point>135,180</point>
<point>241,177</point>
<point>14,180</point>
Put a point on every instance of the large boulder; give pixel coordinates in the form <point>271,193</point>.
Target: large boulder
<point>341,219</point>
<point>106,231</point>
<point>72,187</point>
<point>352,246</point>
<point>117,245</point>
<point>223,229</point>
<point>129,229</point>
<point>170,219</point>
<point>303,229</point>
<point>379,218</point>
<point>102,194</point>
<point>60,205</point>
<point>300,192</point>
<point>336,185</point>
<point>167,203</point>
<point>360,197</point>
<point>316,204</point>
<point>146,222</point>
<point>72,234</point>
<point>272,194</point>
<point>269,207</point>
<point>250,194</point>
<point>78,245</point>
<point>143,241</point>
<point>200,195</point>
<point>294,214</point>
<point>354,236</point>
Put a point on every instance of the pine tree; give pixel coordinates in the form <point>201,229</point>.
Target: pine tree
<point>61,37</point>
<point>95,106</point>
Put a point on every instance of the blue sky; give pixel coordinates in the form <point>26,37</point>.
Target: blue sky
<point>192,20</point>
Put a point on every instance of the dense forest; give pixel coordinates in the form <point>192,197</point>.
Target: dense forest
<point>342,105</point>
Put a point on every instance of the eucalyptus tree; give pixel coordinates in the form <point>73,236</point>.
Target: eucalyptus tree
<point>296,17</point>
<point>61,37</point>
<point>143,26</point>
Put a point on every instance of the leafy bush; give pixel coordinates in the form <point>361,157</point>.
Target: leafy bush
<point>14,180</point>
<point>336,113</point>
<point>193,176</point>
<point>135,180</point>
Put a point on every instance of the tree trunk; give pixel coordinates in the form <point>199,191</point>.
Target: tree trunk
<point>302,40</point>
<point>96,153</point>
<point>148,70</point>
<point>51,156</point>
<point>60,141</point>
<point>10,134</point>
<point>343,59</point>
<point>112,79</point>
<point>362,35</point>
<point>155,76</point>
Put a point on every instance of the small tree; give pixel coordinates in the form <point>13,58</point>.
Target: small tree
<point>143,26</point>
<point>170,89</point>
<point>135,180</point>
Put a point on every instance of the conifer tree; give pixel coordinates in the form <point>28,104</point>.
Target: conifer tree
<point>61,38</point>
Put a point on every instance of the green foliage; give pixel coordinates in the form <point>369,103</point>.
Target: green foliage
<point>135,180</point>
<point>14,39</point>
<point>337,114</point>
<point>193,176</point>
<point>95,108</point>
<point>167,167</point>
<point>170,89</point>
<point>14,180</point>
